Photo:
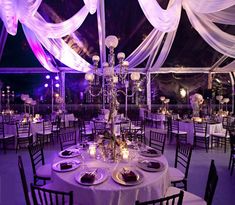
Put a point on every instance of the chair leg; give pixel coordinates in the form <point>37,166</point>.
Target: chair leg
<point>230,161</point>
<point>185,185</point>
<point>212,140</point>
<point>233,163</point>
<point>4,147</point>
<point>207,144</point>
<point>225,144</point>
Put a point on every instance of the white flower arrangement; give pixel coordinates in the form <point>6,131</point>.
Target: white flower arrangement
<point>196,100</point>
<point>59,100</point>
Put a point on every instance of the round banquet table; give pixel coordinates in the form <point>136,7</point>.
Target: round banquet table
<point>109,192</point>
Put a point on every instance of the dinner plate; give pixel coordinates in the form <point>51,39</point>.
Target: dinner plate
<point>146,153</point>
<point>75,164</point>
<point>100,175</point>
<point>74,153</point>
<point>145,164</point>
<point>118,178</point>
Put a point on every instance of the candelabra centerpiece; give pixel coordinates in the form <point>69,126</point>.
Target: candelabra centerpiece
<point>8,96</point>
<point>112,76</point>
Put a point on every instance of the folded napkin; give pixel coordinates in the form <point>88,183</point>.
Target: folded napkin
<point>129,176</point>
<point>155,165</point>
<point>151,151</point>
<point>88,178</point>
<point>66,153</point>
<point>65,165</point>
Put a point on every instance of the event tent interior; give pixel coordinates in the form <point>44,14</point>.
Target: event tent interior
<point>180,48</point>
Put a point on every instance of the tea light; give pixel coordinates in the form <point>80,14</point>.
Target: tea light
<point>92,150</point>
<point>125,154</point>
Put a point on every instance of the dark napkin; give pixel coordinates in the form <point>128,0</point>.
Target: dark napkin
<point>151,151</point>
<point>65,165</point>
<point>129,176</point>
<point>155,165</point>
<point>88,178</point>
<point>66,153</point>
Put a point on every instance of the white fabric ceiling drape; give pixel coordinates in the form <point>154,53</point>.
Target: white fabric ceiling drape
<point>162,20</point>
<point>202,14</point>
<point>38,50</point>
<point>214,36</point>
<point>209,6</point>
<point>57,30</point>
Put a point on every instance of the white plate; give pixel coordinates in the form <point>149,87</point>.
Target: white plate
<point>145,163</point>
<point>145,153</point>
<point>74,153</point>
<point>100,175</point>
<point>117,176</point>
<point>75,165</point>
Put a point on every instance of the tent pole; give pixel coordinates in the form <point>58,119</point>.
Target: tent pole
<point>148,75</point>
<point>233,90</point>
<point>62,89</point>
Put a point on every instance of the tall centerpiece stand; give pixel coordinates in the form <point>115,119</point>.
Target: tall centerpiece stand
<point>113,78</point>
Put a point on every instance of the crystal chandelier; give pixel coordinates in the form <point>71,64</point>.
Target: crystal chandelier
<point>112,75</point>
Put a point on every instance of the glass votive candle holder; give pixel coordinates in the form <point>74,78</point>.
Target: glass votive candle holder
<point>125,154</point>
<point>92,150</point>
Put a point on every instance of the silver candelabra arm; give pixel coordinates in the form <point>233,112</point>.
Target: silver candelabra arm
<point>94,94</point>
<point>125,94</point>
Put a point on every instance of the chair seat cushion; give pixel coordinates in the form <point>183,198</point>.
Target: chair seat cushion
<point>25,135</point>
<point>6,136</point>
<point>47,132</point>
<point>44,171</point>
<point>188,199</point>
<point>175,174</point>
<point>179,133</point>
<point>88,131</point>
<point>220,134</point>
<point>202,135</point>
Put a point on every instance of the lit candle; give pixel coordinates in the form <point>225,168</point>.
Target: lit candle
<point>92,150</point>
<point>125,154</point>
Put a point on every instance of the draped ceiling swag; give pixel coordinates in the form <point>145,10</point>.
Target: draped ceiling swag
<point>204,17</point>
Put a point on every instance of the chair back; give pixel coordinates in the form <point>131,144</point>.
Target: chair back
<point>67,139</point>
<point>82,125</point>
<point>200,128</point>
<point>175,125</point>
<point>42,196</point>
<point>225,122</point>
<point>157,141</point>
<point>133,134</point>
<point>176,199</point>
<point>99,127</point>
<point>36,155</point>
<point>23,129</point>
<point>2,131</point>
<point>232,141</point>
<point>124,126</point>
<point>183,157</point>
<point>137,123</point>
<point>211,183</point>
<point>47,127</point>
<point>23,180</point>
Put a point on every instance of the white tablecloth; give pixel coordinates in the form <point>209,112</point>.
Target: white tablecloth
<point>189,128</point>
<point>109,192</point>
<point>34,128</point>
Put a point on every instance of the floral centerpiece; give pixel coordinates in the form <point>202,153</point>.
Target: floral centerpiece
<point>196,100</point>
<point>165,103</point>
